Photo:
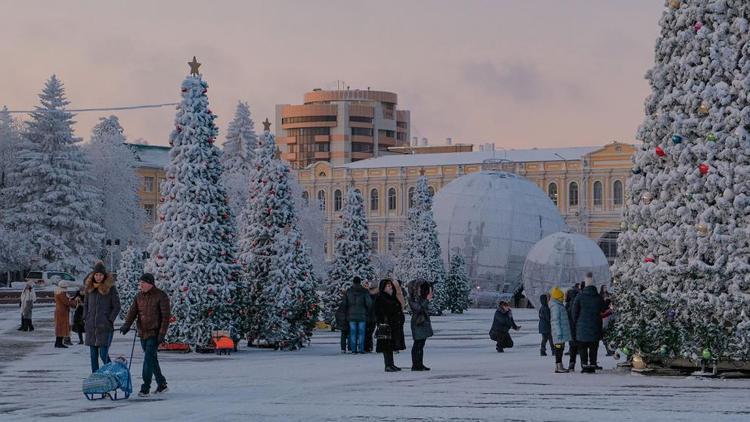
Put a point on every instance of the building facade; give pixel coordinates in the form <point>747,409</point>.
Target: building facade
<point>586,183</point>
<point>340,126</point>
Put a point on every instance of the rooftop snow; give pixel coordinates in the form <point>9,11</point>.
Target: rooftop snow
<point>155,156</point>
<point>455,158</point>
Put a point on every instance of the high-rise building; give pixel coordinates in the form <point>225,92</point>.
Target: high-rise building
<point>340,126</point>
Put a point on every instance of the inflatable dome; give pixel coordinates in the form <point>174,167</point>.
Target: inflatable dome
<point>563,259</point>
<point>493,219</point>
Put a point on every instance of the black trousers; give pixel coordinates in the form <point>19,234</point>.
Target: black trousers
<point>588,351</point>
<point>573,349</point>
<point>547,338</point>
<point>369,331</point>
<point>387,350</point>
<point>559,349</point>
<point>417,353</point>
<point>344,339</point>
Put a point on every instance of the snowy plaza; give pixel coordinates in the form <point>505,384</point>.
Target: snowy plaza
<point>469,381</point>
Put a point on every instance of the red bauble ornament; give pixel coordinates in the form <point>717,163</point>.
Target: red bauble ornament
<point>161,199</point>
<point>161,218</point>
<point>648,259</point>
<point>159,257</point>
<point>226,216</point>
<point>660,152</point>
<point>703,168</point>
<point>185,288</point>
<point>205,90</point>
<point>210,312</point>
<point>172,319</point>
<point>211,140</point>
<point>210,291</point>
<point>209,111</point>
<point>698,25</point>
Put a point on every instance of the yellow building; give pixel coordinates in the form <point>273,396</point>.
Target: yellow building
<point>586,183</point>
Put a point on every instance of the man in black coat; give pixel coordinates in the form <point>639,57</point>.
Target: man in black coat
<point>545,327</point>
<point>358,303</point>
<point>570,297</point>
<point>587,309</point>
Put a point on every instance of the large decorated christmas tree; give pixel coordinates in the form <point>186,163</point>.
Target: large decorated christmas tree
<point>352,251</point>
<point>419,256</point>
<point>193,250</point>
<point>682,276</point>
<point>278,299</point>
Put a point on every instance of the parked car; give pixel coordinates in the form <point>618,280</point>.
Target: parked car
<point>41,279</point>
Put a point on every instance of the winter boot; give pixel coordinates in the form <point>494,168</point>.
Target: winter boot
<point>499,349</point>
<point>23,325</point>
<point>67,341</point>
<point>543,352</point>
<point>588,369</point>
<point>559,369</point>
<point>31,326</point>
<point>572,367</point>
<point>162,388</point>
<point>390,369</point>
<point>59,343</point>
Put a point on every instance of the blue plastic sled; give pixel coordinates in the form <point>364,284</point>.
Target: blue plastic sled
<point>110,378</point>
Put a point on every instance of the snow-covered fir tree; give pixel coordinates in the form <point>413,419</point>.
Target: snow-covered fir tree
<point>352,250</point>
<point>680,279</point>
<point>279,299</point>
<point>128,274</point>
<point>457,287</point>
<point>311,224</point>
<point>238,151</point>
<point>193,248</point>
<point>113,167</point>
<point>419,255</point>
<point>15,250</point>
<point>51,199</point>
<point>10,138</point>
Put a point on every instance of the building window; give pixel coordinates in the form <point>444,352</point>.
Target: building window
<point>305,198</point>
<point>391,199</point>
<point>386,133</point>
<point>161,183</point>
<point>431,191</point>
<point>374,241</point>
<point>411,196</point>
<point>307,119</point>
<point>573,194</point>
<point>552,192</point>
<point>150,214</point>
<point>322,200</point>
<point>337,200</point>
<point>321,146</point>
<point>608,244</point>
<point>402,125</point>
<point>597,194</point>
<point>148,184</point>
<point>374,200</point>
<point>361,147</point>
<point>617,193</point>
<point>391,241</point>
<point>360,119</point>
<point>362,131</point>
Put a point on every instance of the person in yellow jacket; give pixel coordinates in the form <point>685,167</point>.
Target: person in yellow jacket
<point>561,333</point>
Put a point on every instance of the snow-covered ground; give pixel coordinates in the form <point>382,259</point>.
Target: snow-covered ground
<point>469,381</point>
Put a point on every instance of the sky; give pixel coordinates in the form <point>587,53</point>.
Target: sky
<point>518,73</point>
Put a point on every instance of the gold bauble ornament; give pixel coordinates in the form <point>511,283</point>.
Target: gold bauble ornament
<point>674,4</point>
<point>647,197</point>
<point>703,109</point>
<point>638,362</point>
<point>702,229</point>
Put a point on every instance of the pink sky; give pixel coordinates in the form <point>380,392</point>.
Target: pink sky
<point>518,73</point>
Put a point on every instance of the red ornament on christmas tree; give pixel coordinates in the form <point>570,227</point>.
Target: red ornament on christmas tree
<point>648,259</point>
<point>703,168</point>
<point>698,25</point>
<point>172,319</point>
<point>185,288</point>
<point>660,152</point>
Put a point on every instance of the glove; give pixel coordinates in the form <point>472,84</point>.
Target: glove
<point>124,330</point>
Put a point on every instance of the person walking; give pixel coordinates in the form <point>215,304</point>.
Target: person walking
<point>63,304</point>
<point>501,325</point>
<point>560,327</point>
<point>387,310</point>
<point>587,309</point>
<point>421,326</point>
<point>78,322</point>
<point>100,309</point>
<point>28,297</point>
<point>358,303</point>
<point>342,324</point>
<point>544,326</point>
<point>151,311</point>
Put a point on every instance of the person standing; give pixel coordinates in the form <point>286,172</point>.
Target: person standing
<point>78,322</point>
<point>501,325</point>
<point>570,296</point>
<point>63,304</point>
<point>358,304</point>
<point>371,319</point>
<point>587,309</point>
<point>28,297</point>
<point>398,341</point>
<point>544,326</point>
<point>342,324</point>
<point>387,310</point>
<point>421,326</point>
<point>151,311</point>
<point>559,327</point>
<point>100,308</point>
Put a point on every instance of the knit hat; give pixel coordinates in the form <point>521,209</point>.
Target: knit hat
<point>147,278</point>
<point>99,268</point>
<point>557,294</point>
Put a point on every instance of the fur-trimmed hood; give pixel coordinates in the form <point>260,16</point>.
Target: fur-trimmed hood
<point>103,288</point>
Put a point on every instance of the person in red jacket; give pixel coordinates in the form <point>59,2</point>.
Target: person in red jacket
<point>152,310</point>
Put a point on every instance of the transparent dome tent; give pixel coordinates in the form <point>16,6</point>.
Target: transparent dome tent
<point>563,259</point>
<point>493,218</point>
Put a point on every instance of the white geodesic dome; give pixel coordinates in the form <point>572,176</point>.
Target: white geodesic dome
<point>562,260</point>
<point>493,219</point>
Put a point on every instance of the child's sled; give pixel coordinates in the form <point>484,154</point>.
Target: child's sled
<point>111,379</point>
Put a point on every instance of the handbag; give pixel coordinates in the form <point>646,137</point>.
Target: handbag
<point>383,332</point>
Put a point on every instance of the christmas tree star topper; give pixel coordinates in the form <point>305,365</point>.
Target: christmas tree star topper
<point>194,65</point>
<point>266,125</point>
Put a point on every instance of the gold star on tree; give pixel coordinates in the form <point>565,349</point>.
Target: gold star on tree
<point>194,65</point>
<point>266,125</point>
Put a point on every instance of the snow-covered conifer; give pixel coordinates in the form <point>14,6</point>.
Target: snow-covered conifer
<point>237,154</point>
<point>128,274</point>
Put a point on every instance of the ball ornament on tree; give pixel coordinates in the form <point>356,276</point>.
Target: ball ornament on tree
<point>703,168</point>
<point>702,229</point>
<point>660,152</point>
<point>648,259</point>
<point>706,353</point>
<point>623,226</point>
<point>674,4</point>
<point>626,351</point>
<point>677,139</point>
<point>704,109</point>
<point>638,362</point>
<point>698,25</point>
<point>636,170</point>
<point>711,137</point>
<point>647,197</point>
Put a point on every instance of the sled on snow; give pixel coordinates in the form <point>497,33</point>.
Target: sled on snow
<point>111,379</point>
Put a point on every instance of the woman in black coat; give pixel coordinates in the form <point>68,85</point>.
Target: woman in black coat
<point>421,326</point>
<point>78,322</point>
<point>387,314</point>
